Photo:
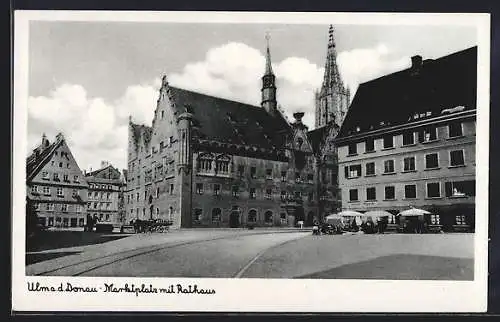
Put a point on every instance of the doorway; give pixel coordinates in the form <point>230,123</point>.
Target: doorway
<point>234,219</point>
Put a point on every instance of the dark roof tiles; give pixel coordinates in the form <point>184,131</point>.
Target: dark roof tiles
<point>438,84</point>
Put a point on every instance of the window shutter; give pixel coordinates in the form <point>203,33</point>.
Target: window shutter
<point>346,171</point>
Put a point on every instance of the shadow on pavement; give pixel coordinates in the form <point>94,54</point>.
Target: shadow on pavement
<point>403,267</point>
<point>32,258</point>
<point>46,240</point>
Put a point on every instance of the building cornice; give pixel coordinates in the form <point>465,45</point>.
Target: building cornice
<point>401,127</point>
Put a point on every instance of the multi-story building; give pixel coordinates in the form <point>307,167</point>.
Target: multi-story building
<point>333,99</point>
<point>56,185</point>
<point>105,194</point>
<point>210,162</point>
<point>408,140</point>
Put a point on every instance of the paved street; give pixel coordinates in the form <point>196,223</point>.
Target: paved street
<point>268,254</point>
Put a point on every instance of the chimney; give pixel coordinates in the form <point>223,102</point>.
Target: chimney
<point>416,63</point>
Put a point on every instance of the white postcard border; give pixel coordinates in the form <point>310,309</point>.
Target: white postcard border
<point>254,295</point>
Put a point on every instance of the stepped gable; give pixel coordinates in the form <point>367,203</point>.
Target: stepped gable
<point>232,122</point>
<point>428,86</point>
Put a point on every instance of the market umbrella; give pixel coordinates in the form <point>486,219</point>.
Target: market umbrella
<point>377,213</point>
<point>349,213</point>
<point>413,212</point>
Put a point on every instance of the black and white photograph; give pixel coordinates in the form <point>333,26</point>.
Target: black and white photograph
<point>250,161</point>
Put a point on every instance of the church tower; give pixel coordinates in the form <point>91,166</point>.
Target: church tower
<point>268,90</point>
<point>332,101</point>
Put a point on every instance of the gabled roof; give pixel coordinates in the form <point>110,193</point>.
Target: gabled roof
<point>228,121</point>
<point>316,137</point>
<point>393,99</point>
<point>39,157</point>
<point>94,175</point>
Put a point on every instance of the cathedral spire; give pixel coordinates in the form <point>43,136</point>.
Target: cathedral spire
<point>268,91</point>
<point>332,75</point>
<point>333,98</point>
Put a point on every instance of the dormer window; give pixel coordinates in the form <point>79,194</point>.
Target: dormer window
<point>45,175</point>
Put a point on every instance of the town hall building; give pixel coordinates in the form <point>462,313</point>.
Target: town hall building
<point>211,162</point>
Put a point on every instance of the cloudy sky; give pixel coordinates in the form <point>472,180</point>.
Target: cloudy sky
<point>86,78</point>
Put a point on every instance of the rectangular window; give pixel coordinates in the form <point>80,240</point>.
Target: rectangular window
<point>297,176</point>
<point>64,207</point>
<point>431,161</point>
<point>283,176</point>
<point>56,176</point>
<point>45,175</point>
<point>459,189</point>
<point>388,141</point>
<point>433,190</point>
<point>171,189</point>
<point>371,193</point>
<point>252,193</point>
<point>457,158</point>
<point>283,195</point>
<point>235,191</point>
<point>76,179</point>
<point>455,130</point>
<point>51,222</point>
<point>389,193</point>
<point>428,134</point>
<point>310,178</point>
<point>74,193</point>
<point>410,191</point>
<point>370,169</point>
<point>409,164</point>
<point>241,170</point>
<point>435,220</point>
<point>66,178</point>
<point>49,207</point>
<point>389,166</point>
<point>298,195</point>
<point>353,148</point>
<point>269,193</point>
<point>269,173</point>
<point>199,188</point>
<point>216,189</point>
<point>253,172</point>
<point>460,220</point>
<point>408,138</point>
<point>354,171</point>
<point>34,189</point>
<point>353,194</point>
<point>60,192</point>
<point>369,145</point>
<point>46,191</point>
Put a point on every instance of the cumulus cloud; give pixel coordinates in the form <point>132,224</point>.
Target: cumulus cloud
<point>234,71</point>
<point>363,64</point>
<point>96,129</point>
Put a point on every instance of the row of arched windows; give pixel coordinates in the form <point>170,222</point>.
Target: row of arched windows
<point>208,163</point>
<point>216,215</point>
